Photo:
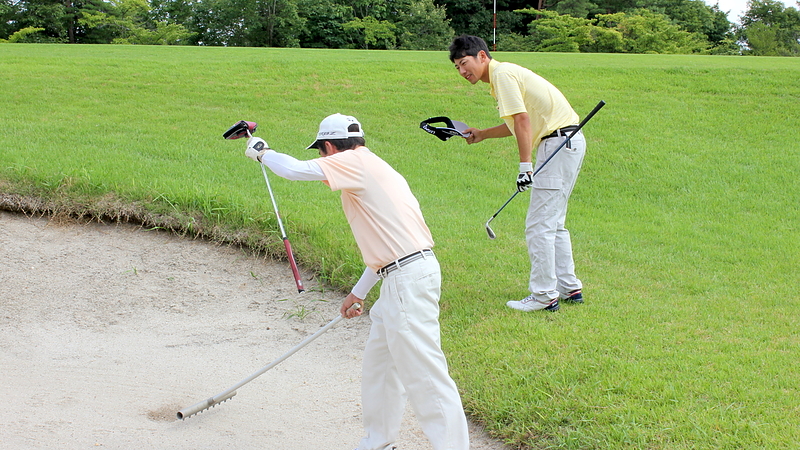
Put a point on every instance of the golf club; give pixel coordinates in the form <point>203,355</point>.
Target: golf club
<point>298,281</point>
<point>240,129</point>
<point>245,128</point>
<point>230,392</point>
<point>489,230</point>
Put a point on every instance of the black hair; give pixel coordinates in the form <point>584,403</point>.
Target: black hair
<point>466,45</point>
<point>345,144</point>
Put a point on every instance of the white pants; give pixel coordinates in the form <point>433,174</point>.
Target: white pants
<point>403,360</point>
<point>549,244</point>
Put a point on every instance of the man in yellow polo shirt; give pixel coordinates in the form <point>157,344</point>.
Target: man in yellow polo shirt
<point>403,359</point>
<point>539,117</point>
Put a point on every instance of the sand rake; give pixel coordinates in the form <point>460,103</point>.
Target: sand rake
<point>231,391</point>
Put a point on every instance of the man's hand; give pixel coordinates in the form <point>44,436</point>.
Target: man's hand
<point>525,177</point>
<point>255,148</point>
<point>347,311</point>
<point>475,135</point>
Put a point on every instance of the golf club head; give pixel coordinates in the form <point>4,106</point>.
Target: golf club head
<point>489,231</point>
<point>240,129</point>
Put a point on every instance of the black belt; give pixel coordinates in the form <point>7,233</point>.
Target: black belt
<point>561,132</point>
<point>383,271</point>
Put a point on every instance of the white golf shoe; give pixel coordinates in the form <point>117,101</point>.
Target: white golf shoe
<point>529,303</point>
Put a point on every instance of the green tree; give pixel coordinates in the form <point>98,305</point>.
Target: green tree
<point>99,31</point>
<point>127,22</point>
<point>762,40</point>
<point>122,16</point>
<point>48,14</point>
<point>163,34</point>
<point>695,16</point>
<point>554,32</point>
<point>770,28</point>
<point>649,32</point>
<point>8,12</point>
<point>424,26</point>
<point>280,23</point>
<point>172,11</point>
<point>575,8</point>
<point>247,23</point>
<point>374,32</point>
<point>221,22</point>
<point>472,16</point>
<point>642,32</point>
<point>26,35</point>
<point>324,20</point>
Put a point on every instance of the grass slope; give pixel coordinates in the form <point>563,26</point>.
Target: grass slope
<point>684,220</point>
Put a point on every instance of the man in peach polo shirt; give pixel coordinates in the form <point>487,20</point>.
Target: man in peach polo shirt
<point>403,359</point>
<point>539,117</point>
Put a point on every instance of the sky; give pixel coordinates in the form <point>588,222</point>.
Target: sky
<point>738,7</point>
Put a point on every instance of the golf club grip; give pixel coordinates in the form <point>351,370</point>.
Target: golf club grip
<point>591,114</point>
<point>293,263</point>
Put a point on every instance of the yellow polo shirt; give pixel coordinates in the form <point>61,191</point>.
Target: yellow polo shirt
<point>518,90</point>
<point>383,213</point>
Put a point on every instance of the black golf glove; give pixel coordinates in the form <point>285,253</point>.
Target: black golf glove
<point>525,177</point>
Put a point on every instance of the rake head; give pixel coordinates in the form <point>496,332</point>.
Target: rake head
<point>204,405</point>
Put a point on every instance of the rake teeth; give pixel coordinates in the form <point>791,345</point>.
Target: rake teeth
<point>206,409</point>
<point>204,405</point>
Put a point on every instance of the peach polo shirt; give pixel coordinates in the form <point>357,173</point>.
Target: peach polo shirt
<point>383,213</point>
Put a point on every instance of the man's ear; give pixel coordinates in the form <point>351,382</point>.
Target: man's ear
<point>328,148</point>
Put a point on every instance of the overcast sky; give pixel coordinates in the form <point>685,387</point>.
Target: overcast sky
<point>738,7</point>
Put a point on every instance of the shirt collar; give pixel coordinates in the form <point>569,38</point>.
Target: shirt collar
<point>492,66</point>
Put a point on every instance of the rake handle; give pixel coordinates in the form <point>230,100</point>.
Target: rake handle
<point>231,391</point>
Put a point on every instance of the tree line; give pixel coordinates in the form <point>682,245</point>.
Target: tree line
<point>614,26</point>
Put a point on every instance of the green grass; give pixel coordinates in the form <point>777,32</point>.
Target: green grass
<point>684,220</point>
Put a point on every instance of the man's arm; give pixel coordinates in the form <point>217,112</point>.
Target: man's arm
<point>281,164</point>
<point>524,135</point>
<point>477,135</point>
<point>291,168</point>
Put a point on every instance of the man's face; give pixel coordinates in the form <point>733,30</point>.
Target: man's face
<point>472,68</point>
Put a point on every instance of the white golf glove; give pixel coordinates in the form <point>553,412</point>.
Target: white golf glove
<point>525,177</point>
<point>255,148</point>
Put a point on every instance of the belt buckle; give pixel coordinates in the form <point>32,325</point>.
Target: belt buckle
<point>398,263</point>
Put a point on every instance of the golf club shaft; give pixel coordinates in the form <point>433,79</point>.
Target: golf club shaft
<point>295,271</point>
<point>504,205</point>
<point>575,131</point>
<point>580,125</point>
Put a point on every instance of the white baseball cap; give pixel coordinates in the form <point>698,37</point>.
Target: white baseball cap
<point>336,126</point>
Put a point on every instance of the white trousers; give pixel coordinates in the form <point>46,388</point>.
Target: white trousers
<point>403,360</point>
<point>549,244</point>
